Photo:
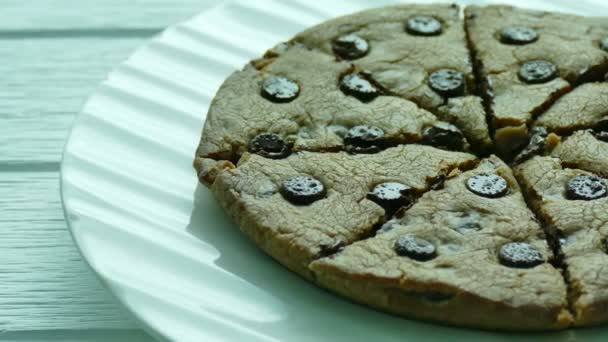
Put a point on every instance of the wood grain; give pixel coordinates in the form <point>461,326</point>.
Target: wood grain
<point>93,335</point>
<point>53,54</point>
<point>46,82</point>
<point>44,284</point>
<point>19,15</point>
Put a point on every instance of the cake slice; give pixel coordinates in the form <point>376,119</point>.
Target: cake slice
<point>574,207</point>
<point>418,52</point>
<point>469,254</point>
<point>527,59</point>
<point>586,150</point>
<point>295,99</point>
<point>308,205</point>
<point>582,108</point>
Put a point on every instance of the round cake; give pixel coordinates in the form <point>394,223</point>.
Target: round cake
<point>428,163</point>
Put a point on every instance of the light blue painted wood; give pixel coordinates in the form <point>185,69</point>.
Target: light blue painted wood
<point>53,53</point>
<point>77,336</point>
<point>44,84</point>
<point>68,15</point>
<point>44,284</point>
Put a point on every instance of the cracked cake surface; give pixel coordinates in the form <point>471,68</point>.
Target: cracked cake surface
<point>400,61</point>
<point>465,275</point>
<point>432,164</point>
<point>580,226</point>
<point>584,150</point>
<point>296,234</point>
<point>581,108</point>
<point>521,79</point>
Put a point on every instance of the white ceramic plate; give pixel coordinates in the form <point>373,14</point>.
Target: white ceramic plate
<point>159,241</point>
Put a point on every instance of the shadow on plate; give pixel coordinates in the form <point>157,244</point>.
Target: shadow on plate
<point>313,313</point>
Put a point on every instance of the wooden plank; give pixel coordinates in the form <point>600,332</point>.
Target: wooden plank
<point>93,14</point>
<point>44,283</point>
<point>52,55</point>
<point>44,83</point>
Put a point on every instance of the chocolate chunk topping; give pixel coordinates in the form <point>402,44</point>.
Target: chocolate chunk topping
<point>387,226</point>
<point>437,182</point>
<point>586,187</point>
<point>302,189</point>
<point>326,250</point>
<point>358,86</point>
<point>391,195</point>
<point>601,125</point>
<point>364,139</point>
<point>279,89</point>
<point>520,255</point>
<point>423,26</point>
<point>443,134</point>
<point>488,185</point>
<point>536,145</point>
<point>350,46</point>
<point>447,82</point>
<point>269,145</point>
<point>604,44</point>
<point>603,136</point>
<point>534,72</point>
<point>415,248</point>
<point>518,35</point>
<point>600,131</point>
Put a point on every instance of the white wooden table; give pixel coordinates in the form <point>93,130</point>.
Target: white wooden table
<point>53,53</point>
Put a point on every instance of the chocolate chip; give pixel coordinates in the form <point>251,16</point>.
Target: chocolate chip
<point>585,187</point>
<point>443,134</point>
<point>536,145</point>
<point>364,139</point>
<point>601,125</point>
<point>330,249</point>
<point>437,182</point>
<point>415,248</point>
<point>302,189</point>
<point>600,130</point>
<point>518,35</point>
<point>279,89</point>
<point>603,136</point>
<point>520,255</point>
<point>391,195</point>
<point>350,46</point>
<point>358,86</point>
<point>534,72</point>
<point>387,227</point>
<point>487,185</point>
<point>269,145</point>
<point>542,131</point>
<point>604,44</point>
<point>423,26</point>
<point>464,222</point>
<point>447,82</point>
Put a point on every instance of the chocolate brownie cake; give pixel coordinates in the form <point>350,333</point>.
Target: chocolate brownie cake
<point>426,165</point>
